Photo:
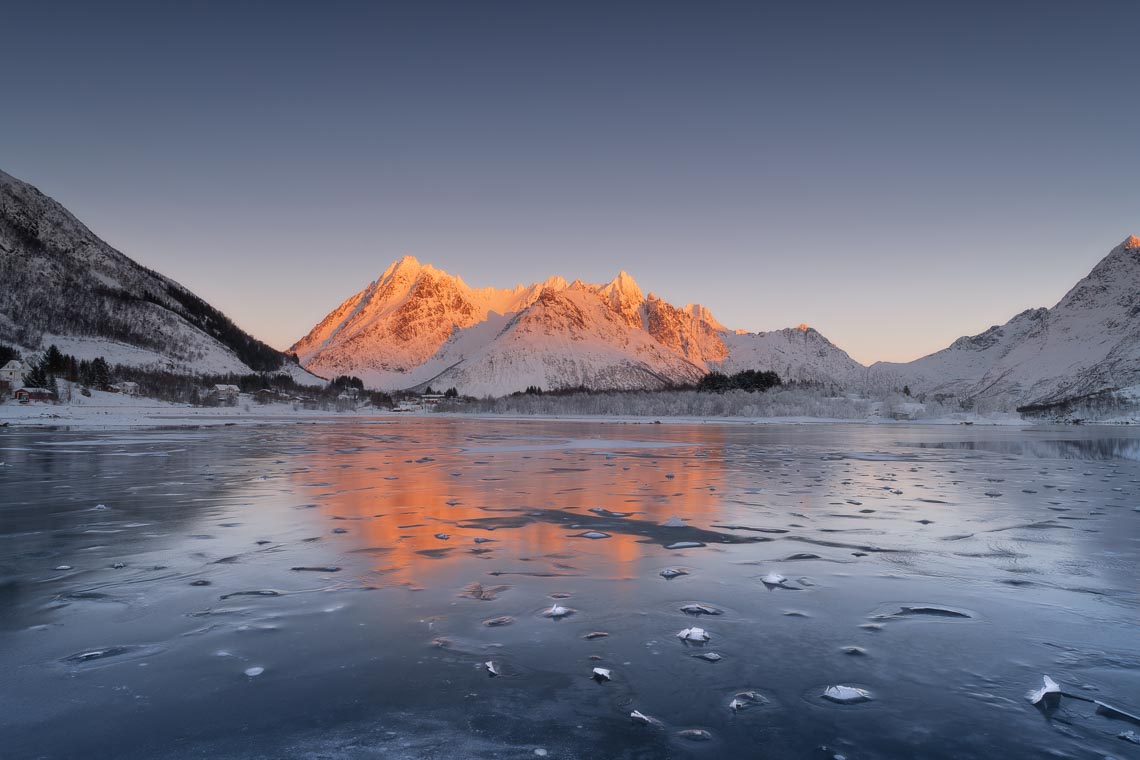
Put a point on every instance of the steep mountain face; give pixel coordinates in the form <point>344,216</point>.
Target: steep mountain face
<point>417,326</point>
<point>1087,343</point>
<point>956,369</point>
<point>61,284</point>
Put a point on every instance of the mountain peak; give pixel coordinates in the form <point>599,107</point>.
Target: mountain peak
<point>623,286</point>
<point>407,265</point>
<point>1131,243</point>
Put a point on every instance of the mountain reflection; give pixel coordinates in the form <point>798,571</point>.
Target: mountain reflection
<point>527,501</point>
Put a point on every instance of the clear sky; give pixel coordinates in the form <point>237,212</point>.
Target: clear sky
<point>895,175</point>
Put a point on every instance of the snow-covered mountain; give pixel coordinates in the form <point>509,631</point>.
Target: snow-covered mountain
<point>1087,343</point>
<point>419,326</point>
<point>61,284</point>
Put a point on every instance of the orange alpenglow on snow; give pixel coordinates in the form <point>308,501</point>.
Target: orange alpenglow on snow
<point>1132,242</point>
<point>802,327</point>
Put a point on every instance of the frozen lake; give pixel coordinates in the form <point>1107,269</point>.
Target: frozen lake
<point>337,590</point>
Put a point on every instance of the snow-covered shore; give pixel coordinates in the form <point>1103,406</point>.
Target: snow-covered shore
<point>131,413</point>
<point>112,410</point>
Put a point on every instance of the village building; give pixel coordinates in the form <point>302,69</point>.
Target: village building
<point>225,394</point>
<point>127,388</point>
<point>28,395</point>
<point>12,373</point>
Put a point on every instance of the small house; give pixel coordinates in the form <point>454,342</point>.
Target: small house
<point>12,373</point>
<point>28,395</point>
<point>431,399</point>
<point>127,388</point>
<point>225,394</point>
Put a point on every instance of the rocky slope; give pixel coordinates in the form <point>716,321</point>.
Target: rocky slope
<point>63,285</point>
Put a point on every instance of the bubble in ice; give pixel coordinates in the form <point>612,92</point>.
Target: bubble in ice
<point>696,608</point>
<point>595,635</point>
<point>708,657</point>
<point>255,671</point>
<point>685,545</point>
<point>695,735</point>
<point>744,700</point>
<point>63,567</point>
<point>497,622</point>
<point>442,536</point>
<point>592,534</point>
<point>846,695</point>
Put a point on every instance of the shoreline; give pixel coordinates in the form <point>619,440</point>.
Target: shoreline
<point>160,415</point>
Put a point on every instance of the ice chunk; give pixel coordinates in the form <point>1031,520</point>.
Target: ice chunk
<point>491,668</point>
<point>670,573</point>
<point>1049,694</point>
<point>673,522</point>
<point>557,611</point>
<point>685,545</point>
<point>772,580</point>
<point>846,695</point>
<point>601,675</point>
<point>642,719</point>
<point>699,635</point>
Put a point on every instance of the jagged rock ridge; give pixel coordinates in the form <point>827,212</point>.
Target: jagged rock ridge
<point>418,326</point>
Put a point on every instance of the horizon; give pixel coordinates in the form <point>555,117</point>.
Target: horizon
<point>894,177</point>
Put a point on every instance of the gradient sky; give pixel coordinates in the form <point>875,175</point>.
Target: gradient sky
<point>895,175</point>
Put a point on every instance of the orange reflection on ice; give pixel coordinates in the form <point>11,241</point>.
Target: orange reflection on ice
<point>531,504</point>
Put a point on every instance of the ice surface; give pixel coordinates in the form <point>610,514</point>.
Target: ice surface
<point>958,602</point>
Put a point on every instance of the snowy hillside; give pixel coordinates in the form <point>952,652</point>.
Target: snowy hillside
<point>417,326</point>
<point>796,354</point>
<point>63,285</point>
<point>1089,342</point>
